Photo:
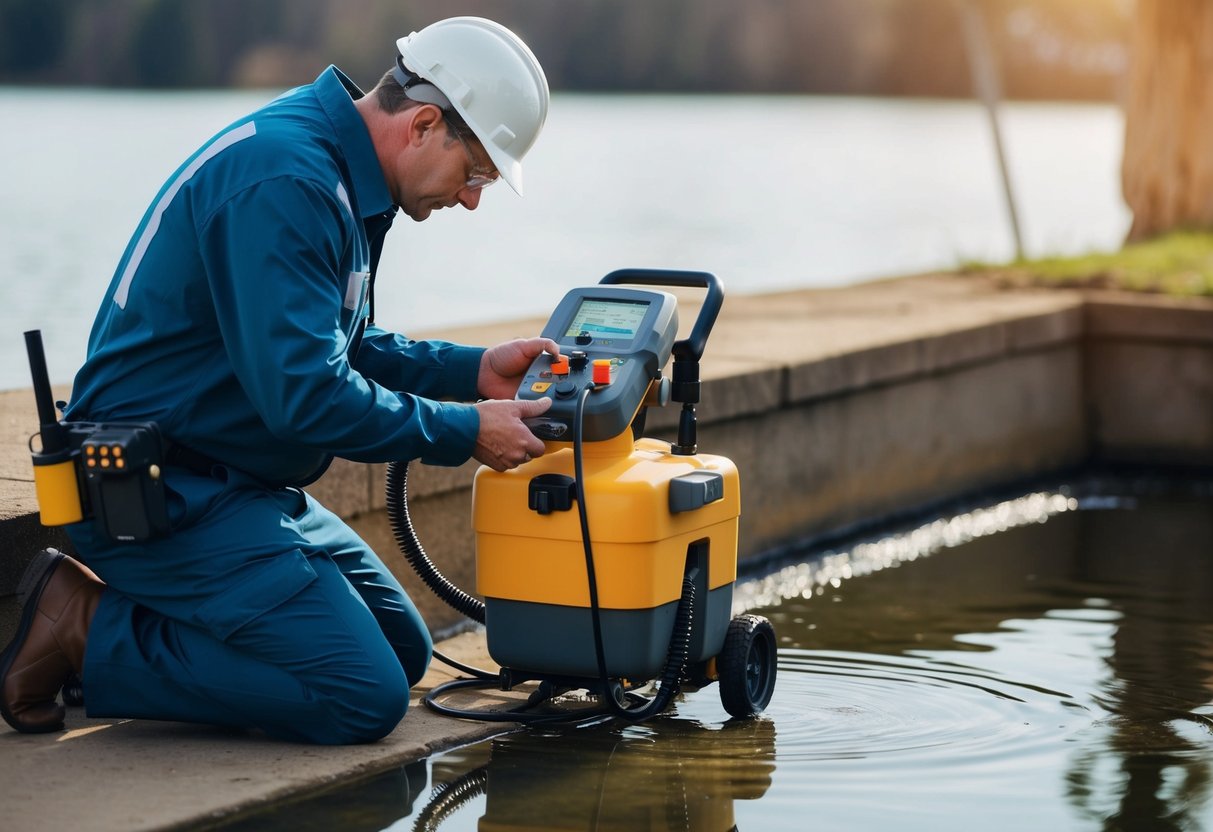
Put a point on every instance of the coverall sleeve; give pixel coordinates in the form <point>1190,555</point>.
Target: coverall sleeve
<point>274,254</point>
<point>434,369</point>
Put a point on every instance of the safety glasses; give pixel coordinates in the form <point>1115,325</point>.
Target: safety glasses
<point>479,177</point>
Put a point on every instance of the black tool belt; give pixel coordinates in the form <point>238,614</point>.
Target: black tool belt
<point>181,456</point>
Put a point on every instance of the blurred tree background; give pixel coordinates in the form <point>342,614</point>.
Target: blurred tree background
<point>1151,56</point>
<point>1167,170</point>
<point>1047,49</point>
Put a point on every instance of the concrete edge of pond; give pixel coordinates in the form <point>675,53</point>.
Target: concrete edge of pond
<point>836,404</point>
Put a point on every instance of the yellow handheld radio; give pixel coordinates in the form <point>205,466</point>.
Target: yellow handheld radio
<point>55,482</point>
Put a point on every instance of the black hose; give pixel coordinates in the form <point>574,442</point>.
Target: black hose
<point>462,602</point>
<point>450,797</point>
<point>677,656</point>
<point>521,714</point>
<point>414,553</point>
<point>406,538</point>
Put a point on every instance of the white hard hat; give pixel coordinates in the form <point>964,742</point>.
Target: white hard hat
<point>491,79</point>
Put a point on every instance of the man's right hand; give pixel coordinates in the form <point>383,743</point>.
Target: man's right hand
<point>504,442</point>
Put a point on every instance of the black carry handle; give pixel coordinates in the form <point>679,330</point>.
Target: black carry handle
<point>684,386</point>
<point>54,437</point>
<point>692,346</point>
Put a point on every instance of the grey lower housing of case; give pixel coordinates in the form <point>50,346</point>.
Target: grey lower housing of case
<point>551,639</point>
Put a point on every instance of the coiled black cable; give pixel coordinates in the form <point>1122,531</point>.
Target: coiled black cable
<point>406,538</point>
<point>471,607</point>
<point>414,552</point>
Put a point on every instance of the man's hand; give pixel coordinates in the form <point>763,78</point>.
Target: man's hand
<point>503,366</point>
<point>504,442</point>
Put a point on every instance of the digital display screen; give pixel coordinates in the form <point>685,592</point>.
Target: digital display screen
<point>608,318</point>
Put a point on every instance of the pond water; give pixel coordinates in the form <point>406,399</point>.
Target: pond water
<point>1040,663</point>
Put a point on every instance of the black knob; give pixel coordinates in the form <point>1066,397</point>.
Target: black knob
<point>585,339</point>
<point>565,390</point>
<point>578,359</point>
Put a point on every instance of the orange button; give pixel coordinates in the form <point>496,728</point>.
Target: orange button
<point>560,366</point>
<point>602,371</point>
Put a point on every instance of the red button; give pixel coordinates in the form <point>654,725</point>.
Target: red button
<point>602,371</point>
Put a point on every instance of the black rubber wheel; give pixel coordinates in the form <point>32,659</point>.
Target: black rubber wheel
<point>746,665</point>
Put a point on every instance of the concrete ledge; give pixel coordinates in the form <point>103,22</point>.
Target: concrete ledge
<point>1148,318</point>
<point>1149,380</point>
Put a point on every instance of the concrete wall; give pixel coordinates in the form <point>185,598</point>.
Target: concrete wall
<point>838,407</point>
<point>1149,381</point>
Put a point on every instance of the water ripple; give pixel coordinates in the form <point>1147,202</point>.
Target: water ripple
<point>832,706</point>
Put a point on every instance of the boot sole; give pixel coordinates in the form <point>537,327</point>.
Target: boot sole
<point>29,590</point>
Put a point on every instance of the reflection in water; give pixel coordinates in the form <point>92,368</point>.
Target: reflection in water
<point>665,775</point>
<point>1149,766</point>
<point>1045,663</point>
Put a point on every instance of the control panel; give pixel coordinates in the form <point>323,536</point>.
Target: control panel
<point>615,338</point>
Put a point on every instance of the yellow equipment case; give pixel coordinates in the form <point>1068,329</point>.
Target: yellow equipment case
<point>609,562</point>
<point>531,569</point>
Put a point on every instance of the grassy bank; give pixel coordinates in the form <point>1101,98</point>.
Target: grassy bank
<point>1179,264</point>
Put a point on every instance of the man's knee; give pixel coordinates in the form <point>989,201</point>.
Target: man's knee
<point>365,712</point>
<point>416,659</point>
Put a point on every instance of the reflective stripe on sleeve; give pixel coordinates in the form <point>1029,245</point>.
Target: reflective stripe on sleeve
<point>222,143</point>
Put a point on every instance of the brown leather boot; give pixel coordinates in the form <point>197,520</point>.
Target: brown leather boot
<point>61,597</point>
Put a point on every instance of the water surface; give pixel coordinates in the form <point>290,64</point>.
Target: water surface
<point>1040,663</point>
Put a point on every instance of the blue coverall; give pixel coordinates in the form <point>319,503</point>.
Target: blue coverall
<point>231,321</point>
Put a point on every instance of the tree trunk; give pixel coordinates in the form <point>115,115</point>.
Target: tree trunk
<point>1167,169</point>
